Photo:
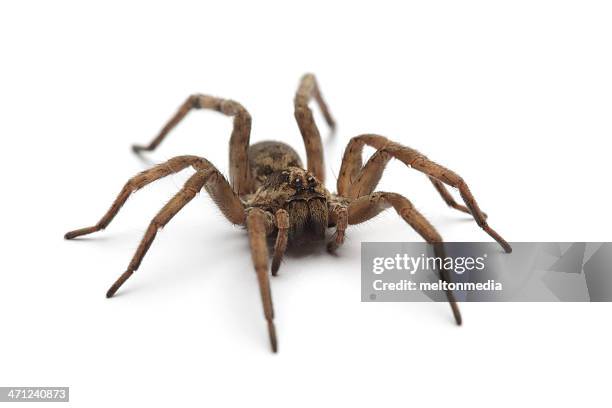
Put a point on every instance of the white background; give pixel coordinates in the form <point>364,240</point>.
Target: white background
<point>514,96</point>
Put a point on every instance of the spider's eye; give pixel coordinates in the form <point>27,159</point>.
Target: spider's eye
<point>298,183</point>
<point>311,180</point>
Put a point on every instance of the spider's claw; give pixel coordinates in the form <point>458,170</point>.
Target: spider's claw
<point>272,334</point>
<point>332,129</point>
<point>498,238</point>
<point>502,242</point>
<point>336,240</point>
<point>275,266</point>
<point>80,231</point>
<point>456,313</point>
<point>118,283</point>
<point>140,148</point>
<point>454,307</point>
<point>110,292</point>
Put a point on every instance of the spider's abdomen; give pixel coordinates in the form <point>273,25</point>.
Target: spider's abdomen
<point>266,158</point>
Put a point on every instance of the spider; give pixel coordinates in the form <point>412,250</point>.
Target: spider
<point>271,193</point>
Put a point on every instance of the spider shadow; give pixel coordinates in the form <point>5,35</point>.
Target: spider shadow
<point>347,274</point>
<point>460,220</point>
<point>142,158</point>
<point>456,218</point>
<point>90,239</point>
<point>303,248</point>
<point>331,138</point>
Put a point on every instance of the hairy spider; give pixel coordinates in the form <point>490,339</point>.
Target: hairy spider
<point>271,192</point>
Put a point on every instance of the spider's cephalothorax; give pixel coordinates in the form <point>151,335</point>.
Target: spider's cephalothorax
<point>272,194</point>
<point>301,195</point>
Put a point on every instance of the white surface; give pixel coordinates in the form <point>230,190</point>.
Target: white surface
<point>515,97</point>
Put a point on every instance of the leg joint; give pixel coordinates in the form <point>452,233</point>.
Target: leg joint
<point>282,219</point>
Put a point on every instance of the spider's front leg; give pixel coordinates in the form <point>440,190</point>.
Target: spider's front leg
<point>357,180</point>
<point>187,193</point>
<point>207,176</point>
<point>229,203</point>
<point>282,237</point>
<point>367,207</point>
<point>260,224</point>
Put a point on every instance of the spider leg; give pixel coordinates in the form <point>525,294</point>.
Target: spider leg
<point>215,184</point>
<point>223,193</point>
<point>367,207</point>
<point>355,180</point>
<point>448,198</point>
<point>282,236</point>
<point>339,216</point>
<point>307,90</point>
<point>239,140</point>
<point>259,224</point>
<point>369,176</point>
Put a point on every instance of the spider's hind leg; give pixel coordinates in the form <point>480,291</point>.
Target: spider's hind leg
<point>239,140</point>
<point>307,90</point>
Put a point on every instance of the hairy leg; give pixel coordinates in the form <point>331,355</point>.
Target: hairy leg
<point>307,90</point>
<point>367,207</point>
<point>369,176</point>
<point>352,163</point>
<point>448,198</point>
<point>282,225</point>
<point>239,140</point>
<point>259,224</point>
<point>221,191</point>
<point>356,179</point>
<point>209,177</point>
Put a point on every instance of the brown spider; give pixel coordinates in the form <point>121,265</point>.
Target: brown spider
<point>271,192</point>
